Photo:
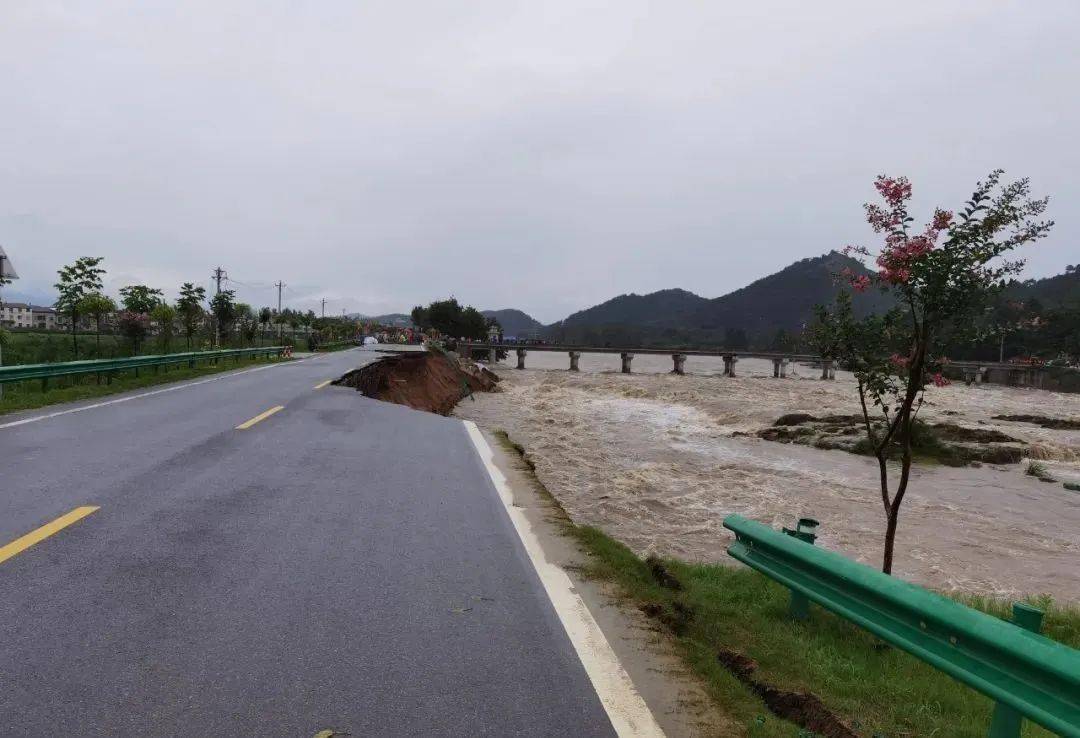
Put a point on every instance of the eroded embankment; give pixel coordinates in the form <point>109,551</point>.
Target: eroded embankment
<point>430,381</point>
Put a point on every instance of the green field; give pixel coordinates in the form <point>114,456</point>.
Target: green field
<point>878,691</point>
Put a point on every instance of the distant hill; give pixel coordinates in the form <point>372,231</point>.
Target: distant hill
<point>1061,290</point>
<point>515,322</point>
<point>397,320</point>
<point>659,309</point>
<point>752,315</point>
<point>786,299</point>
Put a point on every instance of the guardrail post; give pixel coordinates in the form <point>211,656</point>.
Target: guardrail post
<point>1007,722</point>
<point>44,384</point>
<point>805,530</point>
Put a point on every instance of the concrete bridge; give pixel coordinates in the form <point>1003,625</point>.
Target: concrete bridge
<point>780,361</point>
<point>1059,379</point>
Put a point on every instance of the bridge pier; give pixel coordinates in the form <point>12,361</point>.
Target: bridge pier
<point>626,359</point>
<point>779,368</point>
<point>828,371</point>
<point>521,358</point>
<point>574,356</point>
<point>679,360</point>
<point>729,364</point>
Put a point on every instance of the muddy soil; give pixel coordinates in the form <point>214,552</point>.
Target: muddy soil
<point>946,443</point>
<point>430,381</point>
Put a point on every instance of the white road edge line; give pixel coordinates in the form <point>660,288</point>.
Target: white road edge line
<point>625,707</point>
<point>171,388</point>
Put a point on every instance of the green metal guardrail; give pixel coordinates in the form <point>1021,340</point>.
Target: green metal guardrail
<point>1027,674</point>
<point>45,372</point>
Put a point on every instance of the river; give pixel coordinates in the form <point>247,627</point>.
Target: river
<point>652,458</point>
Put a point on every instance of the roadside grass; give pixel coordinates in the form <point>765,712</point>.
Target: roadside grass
<point>877,691</point>
<point>29,395</point>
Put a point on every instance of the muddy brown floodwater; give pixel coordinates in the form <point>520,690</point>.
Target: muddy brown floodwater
<point>652,459</point>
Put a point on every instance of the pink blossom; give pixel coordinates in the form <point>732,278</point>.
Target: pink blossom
<point>860,283</point>
<point>894,189</point>
<point>900,362</point>
<point>895,275</point>
<point>939,380</point>
<point>879,218</point>
<point>942,219</point>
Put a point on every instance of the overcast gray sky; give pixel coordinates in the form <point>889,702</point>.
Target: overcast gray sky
<point>539,155</point>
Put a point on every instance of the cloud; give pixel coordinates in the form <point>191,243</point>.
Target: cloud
<point>544,156</point>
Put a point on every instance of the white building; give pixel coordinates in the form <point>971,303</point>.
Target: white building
<point>44,318</point>
<point>16,315</point>
<point>22,315</point>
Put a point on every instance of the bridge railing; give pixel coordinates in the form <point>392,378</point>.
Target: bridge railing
<point>45,372</point>
<point>1026,673</point>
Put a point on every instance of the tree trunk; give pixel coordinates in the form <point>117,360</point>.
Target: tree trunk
<point>890,540</point>
<point>74,339</point>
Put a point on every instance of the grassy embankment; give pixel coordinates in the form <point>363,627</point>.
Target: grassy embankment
<point>29,395</point>
<point>876,691</point>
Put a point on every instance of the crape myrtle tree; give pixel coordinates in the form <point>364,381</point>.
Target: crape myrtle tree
<point>134,326</point>
<point>76,282</point>
<point>189,308</point>
<point>942,277</point>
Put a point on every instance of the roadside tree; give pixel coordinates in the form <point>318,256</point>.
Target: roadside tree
<point>138,298</point>
<point>97,306</point>
<point>189,308</point>
<point>941,277</point>
<point>164,315</point>
<point>76,282</point>
<point>223,308</point>
<point>134,327</point>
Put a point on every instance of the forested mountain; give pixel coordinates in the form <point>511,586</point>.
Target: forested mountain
<point>772,309</point>
<point>672,307</point>
<point>1061,290</point>
<point>515,322</point>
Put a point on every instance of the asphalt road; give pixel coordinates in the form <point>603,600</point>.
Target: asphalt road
<point>342,564</point>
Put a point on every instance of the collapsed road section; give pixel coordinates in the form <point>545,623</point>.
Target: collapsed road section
<point>433,381</point>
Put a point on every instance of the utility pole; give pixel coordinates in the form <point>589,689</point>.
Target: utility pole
<point>219,274</point>
<point>324,307</point>
<point>279,285</point>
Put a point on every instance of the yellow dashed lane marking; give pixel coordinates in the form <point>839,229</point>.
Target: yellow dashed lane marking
<point>261,416</point>
<point>21,544</point>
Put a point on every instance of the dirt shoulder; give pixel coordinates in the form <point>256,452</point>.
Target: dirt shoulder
<point>673,693</point>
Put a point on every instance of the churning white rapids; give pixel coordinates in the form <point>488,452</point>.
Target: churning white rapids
<point>651,458</point>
